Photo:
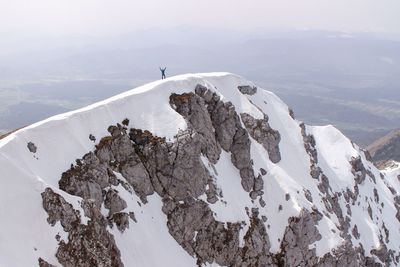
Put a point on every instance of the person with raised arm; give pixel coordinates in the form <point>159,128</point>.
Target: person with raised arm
<point>162,72</point>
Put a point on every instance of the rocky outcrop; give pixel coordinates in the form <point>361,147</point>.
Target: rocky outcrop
<point>230,134</point>
<point>195,229</point>
<point>247,89</point>
<point>330,198</point>
<point>262,132</point>
<point>87,245</point>
<point>144,164</point>
<point>299,235</point>
<point>59,210</point>
<point>43,263</point>
<point>113,202</point>
<point>358,170</point>
<point>192,107</point>
<point>31,147</point>
<point>309,145</point>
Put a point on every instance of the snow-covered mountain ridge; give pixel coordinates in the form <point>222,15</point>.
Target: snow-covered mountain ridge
<point>198,169</point>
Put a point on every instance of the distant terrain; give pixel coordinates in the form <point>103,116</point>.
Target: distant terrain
<point>386,148</point>
<point>348,80</point>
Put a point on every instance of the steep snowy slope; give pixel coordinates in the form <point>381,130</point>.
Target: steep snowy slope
<point>392,172</point>
<point>198,169</point>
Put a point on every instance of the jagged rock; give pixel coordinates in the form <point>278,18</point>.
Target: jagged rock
<point>376,196</point>
<point>241,158</point>
<point>371,175</point>
<point>247,179</point>
<point>32,147</point>
<point>355,232</point>
<point>192,107</point>
<point>358,169</point>
<point>370,211</point>
<point>254,194</point>
<point>211,192</point>
<point>247,89</point>
<point>88,245</point>
<point>176,172</point>
<point>92,138</point>
<point>86,179</point>
<point>384,254</point>
<point>397,205</point>
<point>125,122</point>
<point>212,242</point>
<point>43,263</point>
<point>121,220</point>
<point>291,113</point>
<point>137,176</point>
<point>347,255</point>
<point>132,216</point>
<point>258,184</point>
<point>300,233</point>
<point>230,134</point>
<point>241,150</point>
<point>309,144</point>
<point>262,202</point>
<point>315,171</point>
<point>386,232</point>
<point>348,209</point>
<point>262,132</point>
<point>114,202</point>
<point>308,195</point>
<point>255,251</point>
<point>59,210</point>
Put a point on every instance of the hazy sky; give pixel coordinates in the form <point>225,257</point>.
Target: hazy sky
<point>118,16</point>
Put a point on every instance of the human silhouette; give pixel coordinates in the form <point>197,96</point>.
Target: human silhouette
<point>163,72</point>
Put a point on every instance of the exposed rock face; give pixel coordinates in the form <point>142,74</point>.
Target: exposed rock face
<point>347,254</point>
<point>192,107</point>
<point>230,134</point>
<point>88,245</point>
<point>300,233</point>
<point>114,202</point>
<point>32,147</point>
<point>43,263</point>
<point>358,169</point>
<point>145,164</point>
<point>309,145</point>
<point>263,134</point>
<point>195,229</point>
<point>59,210</point>
<point>247,89</point>
<point>291,113</point>
<point>330,198</point>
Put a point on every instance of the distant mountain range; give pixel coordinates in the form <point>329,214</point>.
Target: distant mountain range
<point>326,77</point>
<point>386,148</point>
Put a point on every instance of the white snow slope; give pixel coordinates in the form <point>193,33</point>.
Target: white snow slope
<point>25,234</point>
<point>393,173</point>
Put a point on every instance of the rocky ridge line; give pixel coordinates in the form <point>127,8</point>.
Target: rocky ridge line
<point>174,171</point>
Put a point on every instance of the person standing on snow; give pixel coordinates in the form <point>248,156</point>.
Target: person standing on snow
<point>163,72</point>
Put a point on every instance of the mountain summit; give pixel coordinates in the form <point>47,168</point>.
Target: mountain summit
<point>194,170</point>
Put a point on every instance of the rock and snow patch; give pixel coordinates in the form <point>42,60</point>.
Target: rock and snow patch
<point>199,169</point>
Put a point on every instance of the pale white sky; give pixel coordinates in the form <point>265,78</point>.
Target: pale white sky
<point>119,16</point>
